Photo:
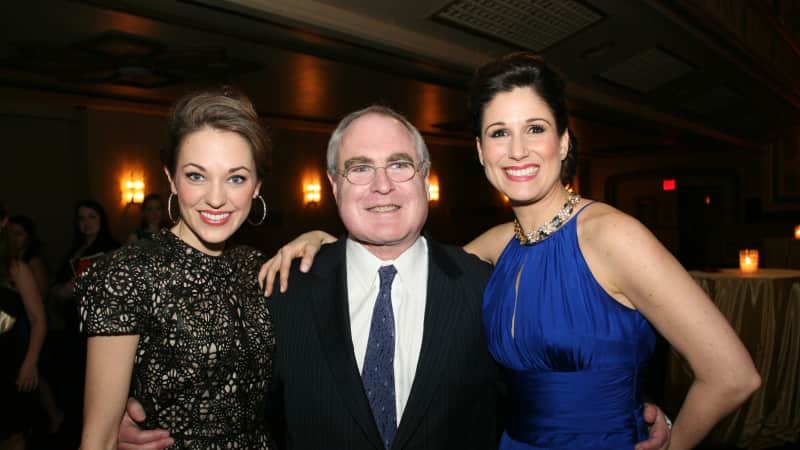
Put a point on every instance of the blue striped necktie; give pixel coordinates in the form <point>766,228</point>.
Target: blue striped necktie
<point>378,372</point>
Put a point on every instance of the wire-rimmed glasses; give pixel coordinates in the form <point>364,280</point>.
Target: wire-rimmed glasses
<point>397,171</point>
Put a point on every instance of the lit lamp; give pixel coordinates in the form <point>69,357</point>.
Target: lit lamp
<point>311,193</point>
<point>133,191</point>
<point>433,188</point>
<point>797,232</point>
<point>748,260</point>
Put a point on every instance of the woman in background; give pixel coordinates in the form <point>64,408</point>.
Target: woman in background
<point>19,374</point>
<point>152,218</point>
<point>26,246</point>
<point>91,239</point>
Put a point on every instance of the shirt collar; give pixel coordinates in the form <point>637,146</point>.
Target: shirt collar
<point>362,266</point>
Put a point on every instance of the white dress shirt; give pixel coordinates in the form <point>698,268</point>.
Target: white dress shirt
<point>409,291</point>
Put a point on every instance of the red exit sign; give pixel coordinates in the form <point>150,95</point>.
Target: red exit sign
<point>668,184</point>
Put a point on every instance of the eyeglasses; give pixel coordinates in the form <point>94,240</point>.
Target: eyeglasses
<point>397,171</point>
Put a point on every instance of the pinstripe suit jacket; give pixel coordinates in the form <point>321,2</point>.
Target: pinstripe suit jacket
<point>453,399</point>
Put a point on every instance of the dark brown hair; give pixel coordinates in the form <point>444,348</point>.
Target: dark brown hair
<point>103,241</point>
<point>523,69</point>
<point>220,109</point>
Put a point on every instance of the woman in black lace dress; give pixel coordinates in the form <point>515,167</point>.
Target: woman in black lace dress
<point>180,319</point>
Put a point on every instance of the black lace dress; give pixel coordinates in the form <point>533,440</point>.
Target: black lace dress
<point>204,360</point>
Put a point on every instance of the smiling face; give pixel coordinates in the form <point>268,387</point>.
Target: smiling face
<point>385,216</point>
<point>215,182</point>
<point>520,148</point>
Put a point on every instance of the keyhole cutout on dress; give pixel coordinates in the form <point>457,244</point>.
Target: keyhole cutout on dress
<point>516,297</point>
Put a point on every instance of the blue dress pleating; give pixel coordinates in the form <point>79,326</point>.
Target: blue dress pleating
<point>576,357</point>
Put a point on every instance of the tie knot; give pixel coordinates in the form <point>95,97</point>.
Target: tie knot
<point>387,274</point>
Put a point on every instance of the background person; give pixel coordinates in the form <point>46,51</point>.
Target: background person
<point>91,239</point>
<point>152,220</point>
<point>19,374</point>
<point>26,246</point>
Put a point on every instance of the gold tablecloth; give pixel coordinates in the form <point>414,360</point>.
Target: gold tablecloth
<point>764,309</point>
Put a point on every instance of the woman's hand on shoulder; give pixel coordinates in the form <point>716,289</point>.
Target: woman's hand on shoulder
<point>304,246</point>
<point>489,245</point>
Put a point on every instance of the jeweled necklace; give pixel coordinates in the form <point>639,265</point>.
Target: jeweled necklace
<point>549,227</point>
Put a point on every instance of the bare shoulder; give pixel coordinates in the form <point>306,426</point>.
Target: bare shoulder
<point>490,244</point>
<point>602,225</point>
<point>502,232</point>
<point>617,247</point>
<point>19,268</point>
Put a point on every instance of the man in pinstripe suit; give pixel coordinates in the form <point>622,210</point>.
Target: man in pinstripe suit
<point>445,380</point>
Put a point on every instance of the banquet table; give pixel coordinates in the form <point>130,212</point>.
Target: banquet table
<point>764,310</point>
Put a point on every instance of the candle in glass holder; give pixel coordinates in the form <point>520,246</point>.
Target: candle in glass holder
<point>748,260</point>
<point>797,232</point>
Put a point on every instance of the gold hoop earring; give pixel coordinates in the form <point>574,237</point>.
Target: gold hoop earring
<point>263,214</point>
<point>169,209</point>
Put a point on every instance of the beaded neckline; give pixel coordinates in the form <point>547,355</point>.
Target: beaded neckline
<point>548,227</point>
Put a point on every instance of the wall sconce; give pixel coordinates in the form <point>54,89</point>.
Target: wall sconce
<point>433,188</point>
<point>133,191</point>
<point>797,232</point>
<point>748,261</point>
<point>312,193</point>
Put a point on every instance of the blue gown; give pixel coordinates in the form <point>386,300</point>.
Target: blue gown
<point>575,360</point>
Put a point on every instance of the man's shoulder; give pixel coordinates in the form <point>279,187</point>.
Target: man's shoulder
<point>303,284</point>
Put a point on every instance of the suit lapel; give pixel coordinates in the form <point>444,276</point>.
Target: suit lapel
<point>441,314</point>
<point>332,317</point>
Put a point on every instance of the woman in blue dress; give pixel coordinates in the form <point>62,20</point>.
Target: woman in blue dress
<point>579,287</point>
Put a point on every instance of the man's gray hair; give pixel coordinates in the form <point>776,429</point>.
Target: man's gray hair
<point>336,137</point>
